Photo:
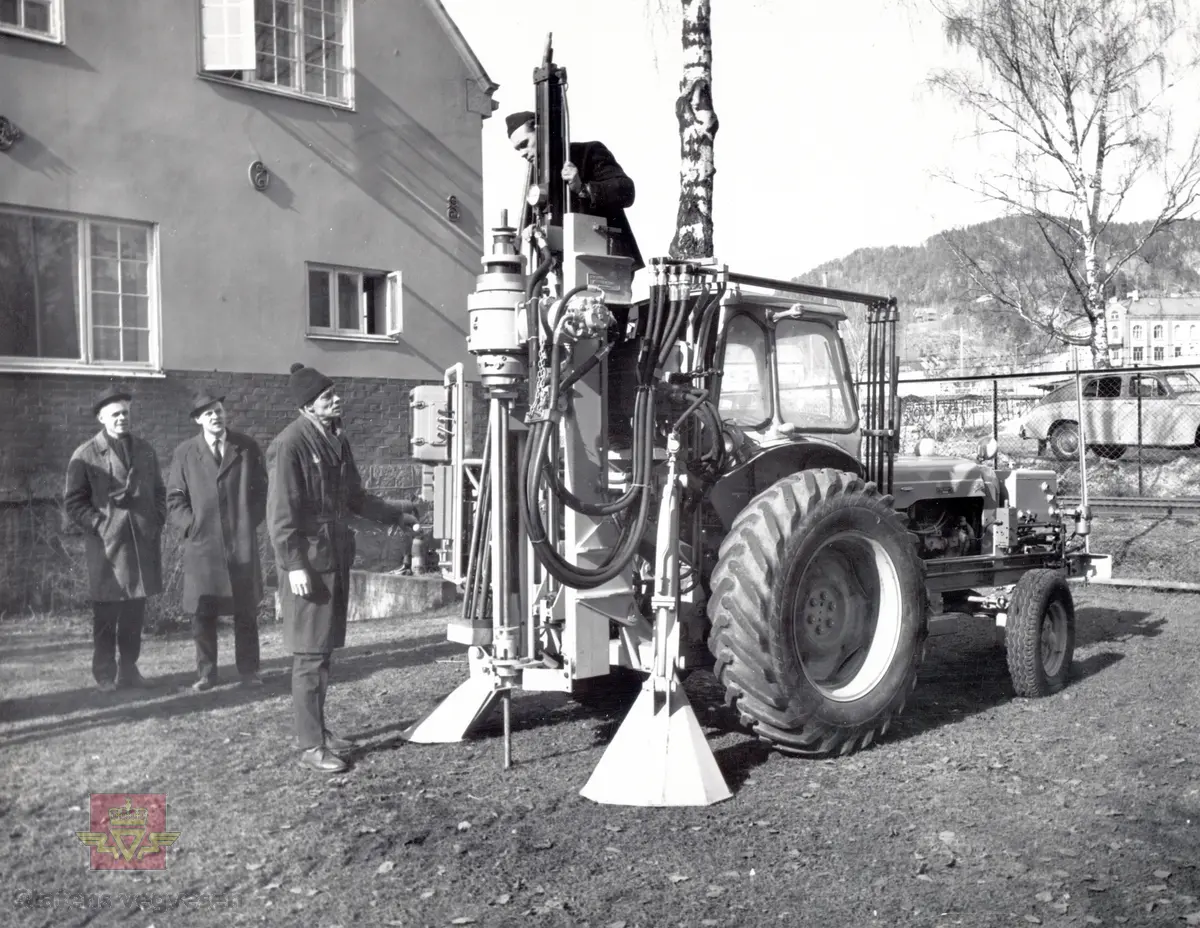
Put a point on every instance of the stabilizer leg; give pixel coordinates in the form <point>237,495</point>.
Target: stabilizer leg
<point>659,756</point>
<point>454,717</point>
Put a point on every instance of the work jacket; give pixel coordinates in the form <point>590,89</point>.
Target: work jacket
<point>314,489</point>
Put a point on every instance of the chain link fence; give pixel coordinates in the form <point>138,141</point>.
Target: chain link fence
<point>1138,430</point>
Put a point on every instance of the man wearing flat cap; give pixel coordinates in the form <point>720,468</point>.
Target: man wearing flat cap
<point>598,184</point>
<point>314,488</point>
<point>114,492</point>
<point>217,497</point>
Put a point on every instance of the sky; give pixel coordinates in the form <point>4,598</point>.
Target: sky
<point>829,138</point>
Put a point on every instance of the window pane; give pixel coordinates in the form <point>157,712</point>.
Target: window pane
<point>38,287</point>
<point>813,387</point>
<point>318,299</point>
<point>135,345</point>
<point>105,240</point>
<point>37,16</point>
<point>333,85</point>
<point>135,243</point>
<point>8,12</point>
<point>348,302</point>
<point>104,275</point>
<point>136,311</point>
<point>57,243</point>
<point>133,277</point>
<point>106,309</point>
<point>744,384</point>
<point>106,344</point>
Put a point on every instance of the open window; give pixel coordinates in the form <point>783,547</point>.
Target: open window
<point>354,303</point>
<point>297,47</point>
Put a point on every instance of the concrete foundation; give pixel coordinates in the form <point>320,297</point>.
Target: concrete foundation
<point>383,596</point>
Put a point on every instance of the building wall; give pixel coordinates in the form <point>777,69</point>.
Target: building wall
<point>118,123</point>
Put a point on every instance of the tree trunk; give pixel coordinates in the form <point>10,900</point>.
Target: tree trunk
<point>697,130</point>
<point>1095,305</point>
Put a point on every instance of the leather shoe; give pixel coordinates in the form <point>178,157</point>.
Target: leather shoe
<point>334,743</point>
<point>322,759</point>
<point>131,679</point>
<point>251,679</point>
<point>203,684</point>
<point>107,686</point>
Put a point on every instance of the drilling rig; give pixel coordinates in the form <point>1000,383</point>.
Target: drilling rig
<point>694,481</point>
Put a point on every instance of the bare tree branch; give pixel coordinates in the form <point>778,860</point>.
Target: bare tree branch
<point>1077,88</point>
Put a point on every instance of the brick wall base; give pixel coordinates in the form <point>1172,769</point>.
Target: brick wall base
<point>43,418</point>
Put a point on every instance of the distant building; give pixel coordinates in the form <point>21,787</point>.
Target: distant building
<point>1154,330</point>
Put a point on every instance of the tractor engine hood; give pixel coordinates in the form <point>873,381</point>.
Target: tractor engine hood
<point>918,477</point>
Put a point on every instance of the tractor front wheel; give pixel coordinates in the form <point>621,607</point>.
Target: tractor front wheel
<point>818,614</point>
<point>1039,635</point>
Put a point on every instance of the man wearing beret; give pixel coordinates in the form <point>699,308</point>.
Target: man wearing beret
<point>314,488</point>
<point>598,183</point>
<point>217,497</point>
<point>115,493</point>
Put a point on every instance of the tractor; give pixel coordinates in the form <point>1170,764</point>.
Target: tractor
<point>695,481</point>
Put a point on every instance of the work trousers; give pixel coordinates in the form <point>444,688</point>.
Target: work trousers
<point>310,681</point>
<point>245,643</point>
<point>116,626</point>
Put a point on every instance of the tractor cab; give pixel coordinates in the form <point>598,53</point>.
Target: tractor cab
<point>784,373</point>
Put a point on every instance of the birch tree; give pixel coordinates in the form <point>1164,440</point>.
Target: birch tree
<point>1076,94</point>
<point>697,130</point>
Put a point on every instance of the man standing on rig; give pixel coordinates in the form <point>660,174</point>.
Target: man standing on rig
<point>597,182</point>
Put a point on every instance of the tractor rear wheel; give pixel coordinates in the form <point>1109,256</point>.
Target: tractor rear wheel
<point>818,614</point>
<point>1039,635</point>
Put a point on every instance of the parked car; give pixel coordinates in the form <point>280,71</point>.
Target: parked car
<point>1169,414</point>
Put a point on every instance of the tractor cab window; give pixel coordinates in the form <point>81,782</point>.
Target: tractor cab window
<point>814,389</point>
<point>745,387</point>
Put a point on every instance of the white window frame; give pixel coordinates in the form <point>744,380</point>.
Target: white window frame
<point>1156,333</point>
<point>1136,334</point>
<point>393,311</point>
<point>83,299</point>
<point>1179,351</point>
<point>1139,353</point>
<point>57,33</point>
<point>1159,354</point>
<point>249,78</point>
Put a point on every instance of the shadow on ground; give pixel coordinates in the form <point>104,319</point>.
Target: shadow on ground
<point>171,695</point>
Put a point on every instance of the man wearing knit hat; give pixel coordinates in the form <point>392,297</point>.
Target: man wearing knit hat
<point>115,493</point>
<point>598,184</point>
<point>314,488</point>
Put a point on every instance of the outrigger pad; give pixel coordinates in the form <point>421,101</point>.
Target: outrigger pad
<point>454,717</point>
<point>658,757</point>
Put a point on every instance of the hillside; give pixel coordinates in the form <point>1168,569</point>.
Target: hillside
<point>929,275</point>
<point>940,322</point>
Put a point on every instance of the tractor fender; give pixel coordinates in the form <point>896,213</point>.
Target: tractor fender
<point>732,493</point>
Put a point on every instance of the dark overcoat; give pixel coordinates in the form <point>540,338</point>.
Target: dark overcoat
<point>218,512</point>
<point>121,510</point>
<point>314,488</point>
<point>611,190</point>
